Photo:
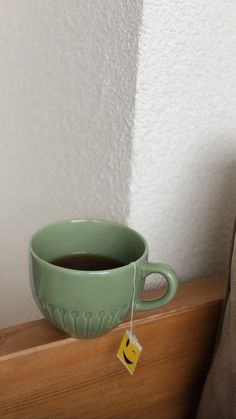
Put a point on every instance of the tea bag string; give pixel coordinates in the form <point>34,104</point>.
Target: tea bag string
<point>133,298</point>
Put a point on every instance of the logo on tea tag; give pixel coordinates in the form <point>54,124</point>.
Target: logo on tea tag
<point>129,351</point>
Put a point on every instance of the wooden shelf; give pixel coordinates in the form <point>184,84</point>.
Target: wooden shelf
<point>44,374</point>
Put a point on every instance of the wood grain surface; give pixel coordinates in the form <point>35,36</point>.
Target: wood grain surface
<point>44,374</point>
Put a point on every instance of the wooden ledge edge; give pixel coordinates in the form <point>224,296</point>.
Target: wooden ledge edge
<point>41,335</point>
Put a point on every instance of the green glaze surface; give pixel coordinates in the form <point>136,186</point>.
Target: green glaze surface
<point>87,304</point>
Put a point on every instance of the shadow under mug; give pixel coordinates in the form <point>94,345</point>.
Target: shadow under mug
<point>87,304</point>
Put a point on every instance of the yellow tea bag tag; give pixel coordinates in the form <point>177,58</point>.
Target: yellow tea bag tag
<point>129,351</point>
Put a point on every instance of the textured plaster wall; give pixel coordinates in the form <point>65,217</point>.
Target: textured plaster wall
<point>71,144</point>
<point>67,82</point>
<point>183,187</point>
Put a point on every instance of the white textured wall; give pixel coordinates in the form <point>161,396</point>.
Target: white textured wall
<point>70,145</point>
<point>183,188</point>
<point>67,81</point>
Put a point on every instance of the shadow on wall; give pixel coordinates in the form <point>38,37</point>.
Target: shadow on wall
<point>223,219</point>
<point>196,238</point>
<point>214,224</point>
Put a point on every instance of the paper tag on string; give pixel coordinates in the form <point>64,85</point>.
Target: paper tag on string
<point>129,351</point>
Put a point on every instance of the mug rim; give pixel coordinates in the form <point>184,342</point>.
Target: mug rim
<point>84,220</point>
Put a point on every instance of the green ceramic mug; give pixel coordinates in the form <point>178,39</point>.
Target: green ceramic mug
<point>87,304</point>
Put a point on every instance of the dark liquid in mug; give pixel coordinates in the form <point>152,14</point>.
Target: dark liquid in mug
<point>87,262</point>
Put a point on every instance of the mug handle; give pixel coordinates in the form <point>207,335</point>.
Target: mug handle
<point>172,281</point>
